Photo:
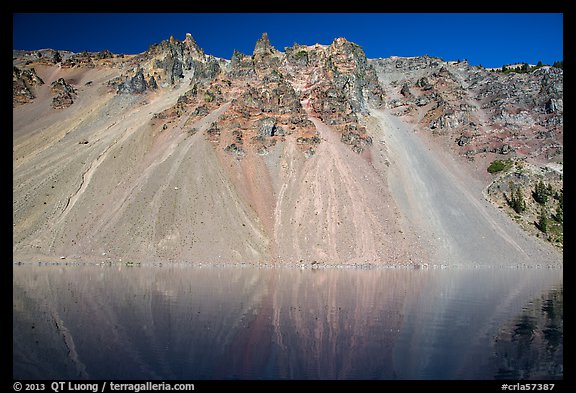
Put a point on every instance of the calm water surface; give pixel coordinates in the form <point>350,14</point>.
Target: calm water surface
<point>178,322</point>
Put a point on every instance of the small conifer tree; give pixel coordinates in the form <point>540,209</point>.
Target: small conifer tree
<point>543,220</point>
<point>516,200</point>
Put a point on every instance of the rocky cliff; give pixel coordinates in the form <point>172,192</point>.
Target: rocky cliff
<point>176,155</point>
<point>509,114</point>
<point>486,117</point>
<point>173,154</point>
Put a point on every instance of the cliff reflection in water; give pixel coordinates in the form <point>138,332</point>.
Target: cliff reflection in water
<point>96,322</point>
<point>532,347</point>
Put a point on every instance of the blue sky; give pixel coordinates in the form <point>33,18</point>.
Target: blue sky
<point>490,39</point>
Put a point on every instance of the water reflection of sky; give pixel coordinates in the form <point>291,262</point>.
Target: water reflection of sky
<point>249,323</point>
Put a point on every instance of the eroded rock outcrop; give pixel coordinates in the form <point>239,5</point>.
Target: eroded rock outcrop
<point>338,83</point>
<point>24,82</point>
<point>265,56</point>
<point>137,84</point>
<point>64,94</point>
<point>480,111</point>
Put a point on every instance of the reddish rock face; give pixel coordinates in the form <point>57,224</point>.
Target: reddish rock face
<point>335,83</point>
<point>476,111</point>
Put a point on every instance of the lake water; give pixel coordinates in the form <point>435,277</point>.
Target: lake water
<point>182,322</point>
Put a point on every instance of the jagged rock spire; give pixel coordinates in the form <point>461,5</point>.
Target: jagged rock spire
<point>263,46</point>
<point>191,43</point>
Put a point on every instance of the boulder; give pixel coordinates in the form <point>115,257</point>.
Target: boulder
<point>267,127</point>
<point>104,54</point>
<point>152,83</point>
<point>405,91</point>
<point>463,140</point>
<point>424,83</point>
<point>235,150</point>
<point>554,105</point>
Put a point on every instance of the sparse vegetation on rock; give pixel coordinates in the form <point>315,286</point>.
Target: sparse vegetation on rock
<point>542,192</point>
<point>499,166</point>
